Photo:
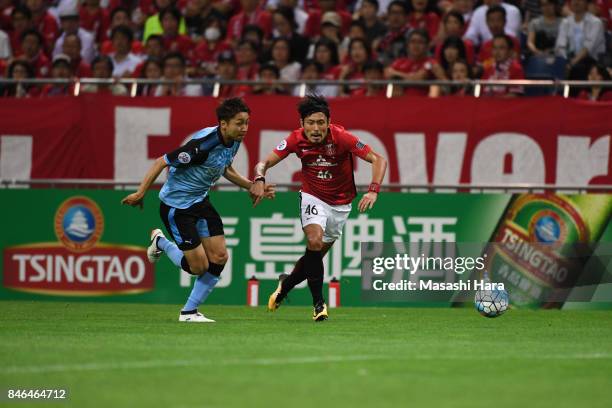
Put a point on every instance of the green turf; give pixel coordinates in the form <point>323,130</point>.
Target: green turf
<point>113,355</point>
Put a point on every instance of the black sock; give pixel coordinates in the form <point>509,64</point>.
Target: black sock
<point>297,276</point>
<point>313,264</point>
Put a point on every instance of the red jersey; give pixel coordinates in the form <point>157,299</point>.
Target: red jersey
<point>510,69</point>
<point>486,50</point>
<point>259,17</point>
<point>411,66</point>
<point>327,168</point>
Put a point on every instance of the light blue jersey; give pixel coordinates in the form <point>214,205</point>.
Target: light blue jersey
<point>195,167</point>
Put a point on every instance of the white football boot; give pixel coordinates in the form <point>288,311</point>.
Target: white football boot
<point>153,252</point>
<point>196,317</point>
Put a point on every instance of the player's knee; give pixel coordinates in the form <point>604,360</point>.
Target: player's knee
<point>314,242</point>
<point>218,257</point>
<point>198,267</point>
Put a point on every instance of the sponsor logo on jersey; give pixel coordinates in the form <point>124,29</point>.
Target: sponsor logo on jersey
<point>184,157</point>
<point>360,145</point>
<point>282,145</point>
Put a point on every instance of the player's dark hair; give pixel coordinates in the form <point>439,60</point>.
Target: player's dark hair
<point>230,108</point>
<point>313,104</point>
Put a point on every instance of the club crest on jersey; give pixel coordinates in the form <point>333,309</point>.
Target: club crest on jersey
<point>330,149</point>
<point>79,223</point>
<point>184,157</point>
<point>360,145</point>
<point>282,145</point>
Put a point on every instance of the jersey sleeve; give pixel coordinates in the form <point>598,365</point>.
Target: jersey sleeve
<point>187,155</point>
<point>354,145</point>
<point>285,147</point>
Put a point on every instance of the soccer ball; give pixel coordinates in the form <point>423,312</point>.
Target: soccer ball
<point>491,303</point>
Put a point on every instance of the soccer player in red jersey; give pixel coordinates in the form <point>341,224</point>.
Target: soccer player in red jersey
<point>328,188</point>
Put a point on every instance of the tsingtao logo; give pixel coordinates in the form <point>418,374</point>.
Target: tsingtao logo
<point>547,227</point>
<point>79,223</point>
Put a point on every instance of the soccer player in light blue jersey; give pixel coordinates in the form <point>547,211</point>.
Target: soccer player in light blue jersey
<point>190,218</point>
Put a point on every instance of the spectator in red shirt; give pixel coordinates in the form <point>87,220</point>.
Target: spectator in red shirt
<point>44,22</point>
<point>151,69</point>
<point>72,48</point>
<point>119,17</point>
<point>31,47</point>
<point>372,71</point>
<point>504,67</point>
<point>452,50</point>
<point>461,72</point>
<point>94,18</point>
<point>21,20</point>
<point>246,61</point>
<point>314,24</point>
<point>60,69</point>
<point>154,49</point>
<point>251,13</point>
<point>208,50</point>
<point>596,93</point>
<point>393,43</point>
<point>422,16</point>
<point>102,67</point>
<point>20,69</point>
<point>358,55</point>
<point>454,26</point>
<point>496,21</point>
<point>284,24</point>
<point>417,65</point>
<point>173,41</point>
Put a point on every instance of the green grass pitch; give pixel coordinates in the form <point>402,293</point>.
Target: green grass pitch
<point>126,355</point>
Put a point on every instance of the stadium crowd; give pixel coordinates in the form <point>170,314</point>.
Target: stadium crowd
<point>304,39</point>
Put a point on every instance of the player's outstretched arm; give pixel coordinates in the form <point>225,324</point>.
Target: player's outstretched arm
<point>238,179</point>
<point>258,192</point>
<point>379,168</point>
<point>135,199</point>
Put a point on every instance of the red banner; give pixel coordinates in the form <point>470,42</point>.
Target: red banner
<point>440,141</point>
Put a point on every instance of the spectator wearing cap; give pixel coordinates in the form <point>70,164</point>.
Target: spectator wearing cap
<point>72,48</point>
<point>496,21</point>
<point>268,76</point>
<point>208,50</point>
<point>43,21</point>
<point>31,50</point>
<point>151,69</point>
<point>175,69</point>
<point>283,20</point>
<point>102,68</point>
<point>422,15</point>
<point>331,24</point>
<point>60,69</point>
<point>120,16</point>
<point>251,13</point>
<point>372,71</point>
<point>417,65</point>
<point>314,24</point>
<point>69,22</point>
<point>94,18</point>
<point>505,67</point>
<point>124,61</point>
<point>20,69</point>
<point>453,25</point>
<point>581,39</point>
<point>478,32</point>
<point>21,20</point>
<point>153,24</point>
<point>368,16</point>
<point>173,41</point>
<point>393,43</point>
